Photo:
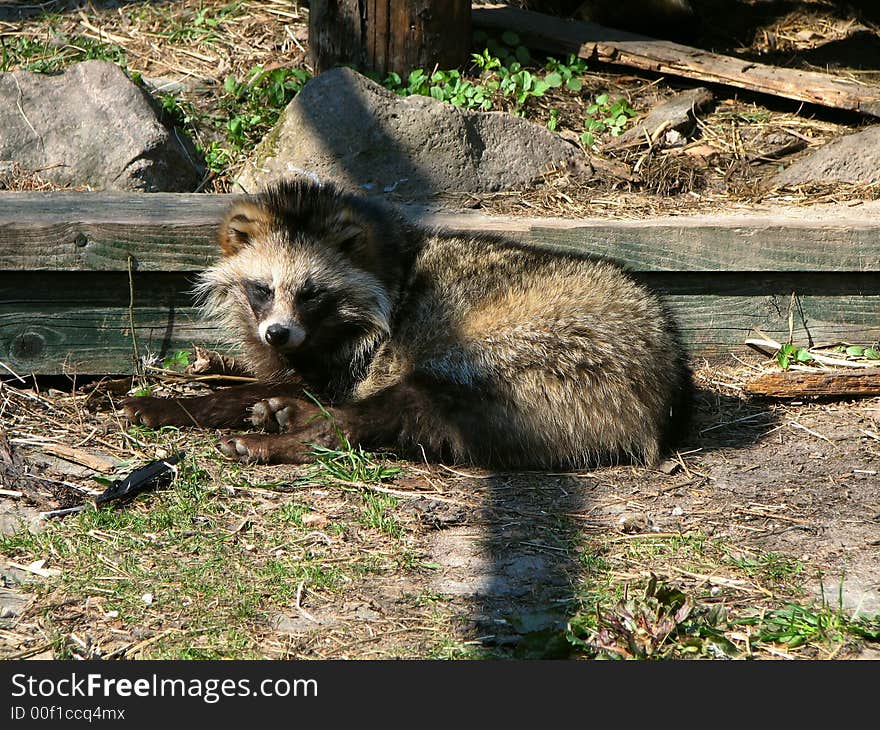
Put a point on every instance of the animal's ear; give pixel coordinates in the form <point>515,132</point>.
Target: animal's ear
<point>346,230</point>
<point>241,224</point>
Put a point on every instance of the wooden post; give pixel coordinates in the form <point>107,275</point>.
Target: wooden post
<point>389,35</point>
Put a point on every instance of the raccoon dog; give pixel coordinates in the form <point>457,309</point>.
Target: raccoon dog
<point>458,347</point>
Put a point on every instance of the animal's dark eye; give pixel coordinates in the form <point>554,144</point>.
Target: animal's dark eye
<point>257,292</point>
<point>310,292</point>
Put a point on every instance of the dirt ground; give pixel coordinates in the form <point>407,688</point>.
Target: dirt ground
<point>764,504</point>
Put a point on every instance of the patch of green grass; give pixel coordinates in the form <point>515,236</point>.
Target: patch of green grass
<point>173,558</point>
<point>452,649</point>
<point>349,464</point>
<point>377,510</point>
<point>771,569</point>
<point>292,512</point>
<point>795,625</point>
<point>40,56</point>
<point>693,551</point>
<point>200,25</point>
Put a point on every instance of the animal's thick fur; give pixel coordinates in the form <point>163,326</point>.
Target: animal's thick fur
<point>462,347</point>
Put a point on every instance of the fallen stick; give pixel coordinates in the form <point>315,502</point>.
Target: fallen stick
<point>819,383</point>
<point>595,42</point>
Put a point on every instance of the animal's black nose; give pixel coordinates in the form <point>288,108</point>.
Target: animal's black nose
<point>277,335</point>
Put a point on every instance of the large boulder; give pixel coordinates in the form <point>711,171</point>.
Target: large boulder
<point>344,128</point>
<point>854,158</point>
<point>92,126</point>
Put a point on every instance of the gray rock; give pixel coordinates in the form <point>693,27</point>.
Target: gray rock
<point>12,603</point>
<point>854,158</point>
<point>344,128</point>
<point>15,517</point>
<point>92,126</point>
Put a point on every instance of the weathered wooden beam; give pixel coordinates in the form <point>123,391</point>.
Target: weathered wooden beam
<point>175,232</point>
<point>66,285</point>
<point>821,383</point>
<point>80,336</point>
<point>65,231</point>
<point>596,42</point>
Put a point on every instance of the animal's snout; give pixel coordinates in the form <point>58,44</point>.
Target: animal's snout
<point>283,334</point>
<point>277,335</point>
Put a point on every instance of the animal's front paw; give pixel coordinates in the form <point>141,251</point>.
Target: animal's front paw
<point>154,412</point>
<point>274,414</point>
<point>265,448</point>
<point>243,448</point>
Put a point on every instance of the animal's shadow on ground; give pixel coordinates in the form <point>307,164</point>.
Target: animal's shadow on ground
<point>521,560</point>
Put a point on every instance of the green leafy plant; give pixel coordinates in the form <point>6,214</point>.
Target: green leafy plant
<point>606,117</point>
<point>179,359</point>
<point>508,48</point>
<point>661,623</point>
<point>568,73</point>
<point>448,86</point>
<point>502,75</point>
<point>789,354</point>
<point>795,625</point>
<point>870,353</point>
<point>255,104</point>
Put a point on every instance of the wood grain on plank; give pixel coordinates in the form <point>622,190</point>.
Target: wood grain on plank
<point>175,232</point>
<point>45,338</point>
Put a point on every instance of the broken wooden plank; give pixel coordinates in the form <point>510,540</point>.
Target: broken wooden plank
<point>598,43</point>
<point>820,383</point>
